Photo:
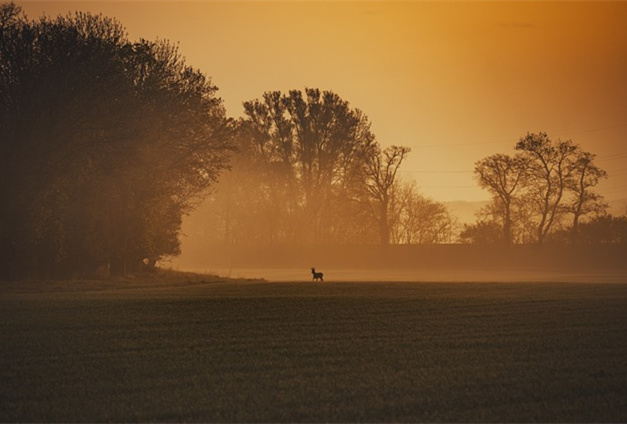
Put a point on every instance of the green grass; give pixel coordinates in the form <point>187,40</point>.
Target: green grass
<point>201,349</point>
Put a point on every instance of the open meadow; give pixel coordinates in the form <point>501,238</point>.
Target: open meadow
<point>186,347</point>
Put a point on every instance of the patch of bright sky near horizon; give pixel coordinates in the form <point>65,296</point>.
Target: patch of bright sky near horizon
<point>454,80</point>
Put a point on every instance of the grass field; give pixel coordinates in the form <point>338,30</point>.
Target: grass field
<point>201,349</point>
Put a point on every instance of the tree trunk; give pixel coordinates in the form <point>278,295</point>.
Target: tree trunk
<point>507,225</point>
<point>575,230</point>
<point>384,226</point>
<point>507,230</point>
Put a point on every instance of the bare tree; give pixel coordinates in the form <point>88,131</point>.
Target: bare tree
<point>550,165</point>
<point>382,170</point>
<point>585,176</point>
<point>422,220</point>
<point>538,187</point>
<point>503,176</point>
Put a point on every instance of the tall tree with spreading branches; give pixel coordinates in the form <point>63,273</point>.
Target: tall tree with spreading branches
<point>382,186</point>
<point>550,166</point>
<point>503,176</point>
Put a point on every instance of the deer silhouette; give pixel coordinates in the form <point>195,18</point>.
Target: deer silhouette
<point>316,275</point>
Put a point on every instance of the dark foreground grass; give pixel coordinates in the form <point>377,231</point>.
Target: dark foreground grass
<point>286,352</point>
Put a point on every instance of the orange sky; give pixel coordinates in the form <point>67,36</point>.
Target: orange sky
<point>454,80</point>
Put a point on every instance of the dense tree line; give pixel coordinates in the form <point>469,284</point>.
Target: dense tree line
<point>545,192</point>
<point>104,145</point>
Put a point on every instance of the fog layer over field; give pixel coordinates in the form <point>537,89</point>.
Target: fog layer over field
<point>408,275</point>
<point>460,263</point>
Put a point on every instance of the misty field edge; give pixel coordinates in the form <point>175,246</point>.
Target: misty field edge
<point>440,256</point>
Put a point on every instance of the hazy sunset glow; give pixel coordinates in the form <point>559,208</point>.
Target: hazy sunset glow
<point>455,81</point>
<point>313,211</point>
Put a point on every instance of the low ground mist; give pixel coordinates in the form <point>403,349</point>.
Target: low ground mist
<point>334,275</point>
<point>459,263</point>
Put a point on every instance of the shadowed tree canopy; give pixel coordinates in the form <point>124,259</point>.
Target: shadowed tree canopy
<point>604,229</point>
<point>104,145</point>
<point>311,147</point>
<point>482,233</point>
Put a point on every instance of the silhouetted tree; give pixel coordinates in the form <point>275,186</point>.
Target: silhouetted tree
<point>538,187</point>
<point>310,149</point>
<point>381,185</point>
<point>10,15</point>
<point>421,220</point>
<point>503,176</point>
<point>585,176</point>
<point>550,165</point>
<point>104,145</point>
